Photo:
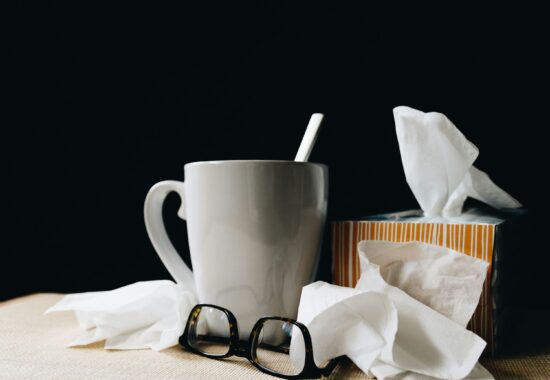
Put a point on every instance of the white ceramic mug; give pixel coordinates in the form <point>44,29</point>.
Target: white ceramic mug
<point>255,231</point>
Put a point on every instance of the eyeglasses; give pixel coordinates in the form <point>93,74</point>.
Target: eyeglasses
<point>278,346</point>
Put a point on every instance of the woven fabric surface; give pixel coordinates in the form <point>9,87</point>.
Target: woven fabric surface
<point>533,367</point>
<point>32,346</point>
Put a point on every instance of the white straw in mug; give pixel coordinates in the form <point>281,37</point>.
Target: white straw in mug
<point>309,138</point>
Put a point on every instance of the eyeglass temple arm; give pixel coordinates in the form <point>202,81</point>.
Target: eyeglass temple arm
<point>325,371</point>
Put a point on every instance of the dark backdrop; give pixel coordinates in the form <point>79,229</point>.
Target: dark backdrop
<point>104,101</point>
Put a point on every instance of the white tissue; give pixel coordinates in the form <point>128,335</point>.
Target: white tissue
<point>150,314</point>
<point>448,281</point>
<point>391,332</point>
<point>438,163</point>
<point>345,321</point>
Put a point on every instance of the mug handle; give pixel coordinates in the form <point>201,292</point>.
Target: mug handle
<point>157,232</point>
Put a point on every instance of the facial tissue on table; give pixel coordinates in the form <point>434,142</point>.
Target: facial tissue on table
<point>438,163</point>
<point>448,281</point>
<point>386,332</point>
<point>149,314</point>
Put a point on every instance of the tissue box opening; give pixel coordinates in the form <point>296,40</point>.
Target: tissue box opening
<point>482,233</point>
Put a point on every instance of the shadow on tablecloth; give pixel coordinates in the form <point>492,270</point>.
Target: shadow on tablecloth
<point>526,348</point>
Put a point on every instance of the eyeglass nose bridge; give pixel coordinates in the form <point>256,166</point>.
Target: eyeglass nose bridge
<point>241,349</point>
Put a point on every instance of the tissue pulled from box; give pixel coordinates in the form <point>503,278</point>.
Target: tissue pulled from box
<point>148,314</point>
<point>448,281</point>
<point>383,330</point>
<point>438,163</point>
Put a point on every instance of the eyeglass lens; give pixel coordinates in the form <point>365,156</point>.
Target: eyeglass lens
<point>274,350</point>
<point>210,332</point>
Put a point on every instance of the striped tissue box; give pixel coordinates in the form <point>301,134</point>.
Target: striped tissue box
<point>475,233</point>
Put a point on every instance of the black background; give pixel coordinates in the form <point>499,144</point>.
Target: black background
<point>104,101</point>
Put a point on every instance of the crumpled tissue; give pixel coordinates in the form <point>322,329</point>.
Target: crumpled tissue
<point>448,281</point>
<point>149,314</point>
<point>438,163</point>
<point>386,332</point>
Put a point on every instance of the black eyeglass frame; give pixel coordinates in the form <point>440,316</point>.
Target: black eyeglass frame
<point>246,349</point>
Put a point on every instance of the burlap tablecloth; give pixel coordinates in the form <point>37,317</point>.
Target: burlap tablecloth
<point>32,347</point>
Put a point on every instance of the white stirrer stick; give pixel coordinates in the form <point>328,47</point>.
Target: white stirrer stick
<point>309,137</point>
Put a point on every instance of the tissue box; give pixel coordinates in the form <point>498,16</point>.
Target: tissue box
<point>481,233</point>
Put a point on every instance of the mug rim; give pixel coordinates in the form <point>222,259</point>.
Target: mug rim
<point>274,162</point>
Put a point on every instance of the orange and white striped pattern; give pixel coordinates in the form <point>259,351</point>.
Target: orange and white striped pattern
<point>475,240</point>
